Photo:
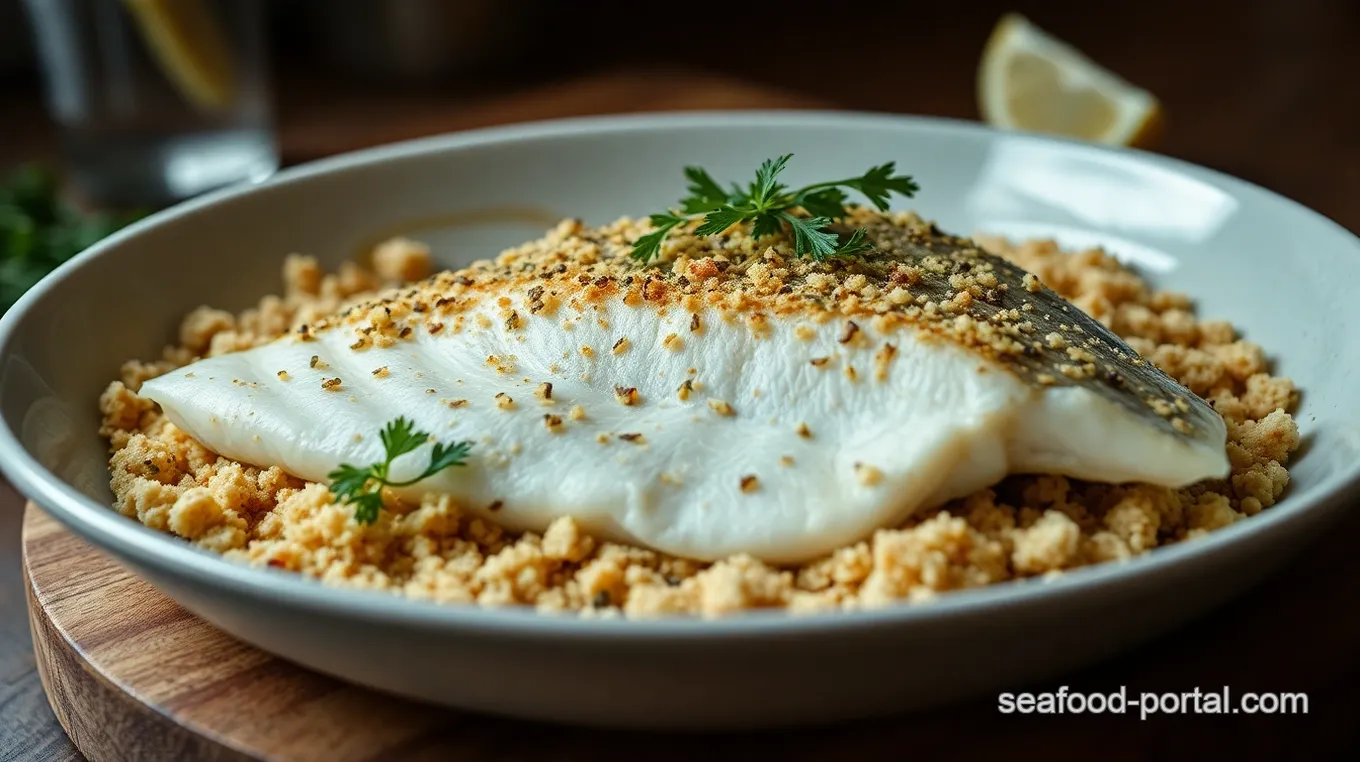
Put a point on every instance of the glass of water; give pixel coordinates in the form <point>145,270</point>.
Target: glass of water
<point>157,100</point>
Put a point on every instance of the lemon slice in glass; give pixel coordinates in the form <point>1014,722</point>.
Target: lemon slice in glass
<point>191,47</point>
<point>1030,80</point>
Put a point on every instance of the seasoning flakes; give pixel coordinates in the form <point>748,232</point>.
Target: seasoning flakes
<point>721,407</point>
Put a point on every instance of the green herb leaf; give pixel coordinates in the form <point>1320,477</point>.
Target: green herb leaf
<point>721,219</point>
<point>766,224</point>
<point>828,202</point>
<point>765,189</point>
<point>362,487</point>
<point>647,247</point>
<point>878,183</point>
<point>855,244</point>
<point>444,456</point>
<point>348,480</point>
<point>367,505</point>
<point>765,203</point>
<point>704,192</point>
<point>400,437</point>
<point>810,236</point>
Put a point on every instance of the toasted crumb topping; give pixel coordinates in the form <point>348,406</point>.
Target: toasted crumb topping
<point>851,330</point>
<point>883,359</point>
<point>443,551</point>
<point>626,395</point>
<point>721,407</point>
<point>868,475</point>
<point>913,277</point>
<point>401,259</point>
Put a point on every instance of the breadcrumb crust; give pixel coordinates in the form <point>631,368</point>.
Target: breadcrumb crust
<point>1026,526</point>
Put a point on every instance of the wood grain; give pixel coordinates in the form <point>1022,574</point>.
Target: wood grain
<point>131,675</point>
<point>28,730</point>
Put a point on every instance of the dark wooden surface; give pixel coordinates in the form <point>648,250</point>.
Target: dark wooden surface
<point>1263,89</point>
<point>28,731</point>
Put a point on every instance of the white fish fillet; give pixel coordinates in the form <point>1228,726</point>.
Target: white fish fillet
<point>833,457</point>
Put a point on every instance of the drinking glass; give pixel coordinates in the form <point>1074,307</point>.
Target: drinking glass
<point>157,100</point>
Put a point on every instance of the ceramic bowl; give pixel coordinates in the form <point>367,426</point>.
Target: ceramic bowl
<point>1272,267</point>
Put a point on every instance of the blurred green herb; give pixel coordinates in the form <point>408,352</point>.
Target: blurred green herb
<point>39,230</point>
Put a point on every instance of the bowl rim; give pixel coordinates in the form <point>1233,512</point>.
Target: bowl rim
<point>147,547</point>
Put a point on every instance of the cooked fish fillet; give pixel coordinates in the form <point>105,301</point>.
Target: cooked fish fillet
<point>732,399</point>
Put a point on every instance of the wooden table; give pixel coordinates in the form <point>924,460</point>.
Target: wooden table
<point>1263,89</point>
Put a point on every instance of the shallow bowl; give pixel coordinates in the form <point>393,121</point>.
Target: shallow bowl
<point>1281,272</point>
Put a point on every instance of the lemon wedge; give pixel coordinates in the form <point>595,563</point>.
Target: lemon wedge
<point>191,48</point>
<point>1030,80</point>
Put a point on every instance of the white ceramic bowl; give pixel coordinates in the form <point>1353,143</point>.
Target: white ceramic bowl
<point>1284,273</point>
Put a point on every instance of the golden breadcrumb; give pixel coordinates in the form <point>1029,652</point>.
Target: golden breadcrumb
<point>1026,526</point>
<point>401,260</point>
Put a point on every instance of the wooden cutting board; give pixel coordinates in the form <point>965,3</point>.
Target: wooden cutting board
<point>132,676</point>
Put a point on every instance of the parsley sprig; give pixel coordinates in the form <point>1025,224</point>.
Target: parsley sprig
<point>362,487</point>
<point>768,206</point>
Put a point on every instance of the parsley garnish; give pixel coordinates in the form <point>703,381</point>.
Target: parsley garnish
<point>768,204</point>
<point>362,487</point>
